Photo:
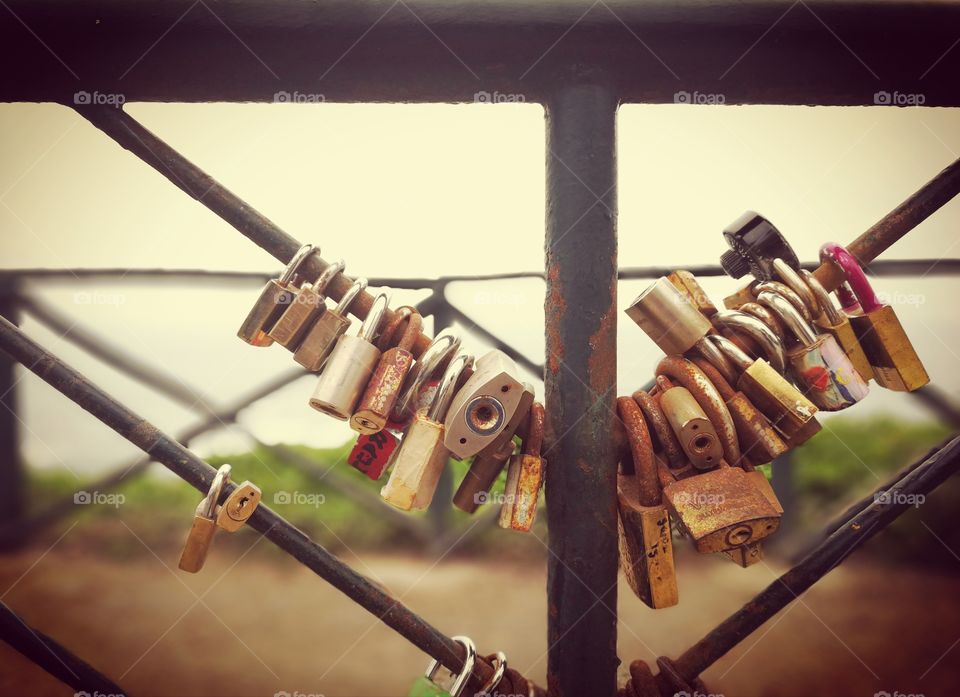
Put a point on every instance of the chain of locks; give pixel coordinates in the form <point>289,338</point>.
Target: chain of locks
<point>737,388</point>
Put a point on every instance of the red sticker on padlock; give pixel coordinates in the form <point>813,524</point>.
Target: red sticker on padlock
<point>372,453</point>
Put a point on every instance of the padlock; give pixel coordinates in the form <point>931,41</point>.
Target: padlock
<point>789,411</point>
<point>304,310</point>
<point>721,509</point>
<point>759,480</point>
<point>895,363</point>
<point>384,387</point>
<point>787,293</point>
<point>204,524</point>
<point>757,310</point>
<point>760,443</point>
<point>666,316</point>
<point>321,338</point>
<point>483,407</point>
<point>689,287</point>
<point>422,455</point>
<point>350,366</point>
<point>431,362</point>
<point>754,242</point>
<point>688,375</point>
<point>819,366</point>
<point>274,298</point>
<point>426,685</point>
<point>794,280</point>
<point>746,555</point>
<point>690,424</point>
<point>835,322</point>
<point>644,535</point>
<point>525,474</point>
<point>239,506</point>
<point>489,462</point>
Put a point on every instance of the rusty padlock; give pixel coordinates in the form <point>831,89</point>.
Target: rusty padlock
<point>304,310</point>
<point>644,534</point>
<point>320,339</point>
<point>274,298</point>
<point>385,384</point>
<point>895,363</point>
<point>692,428</point>
<point>664,439</point>
<point>525,475</point>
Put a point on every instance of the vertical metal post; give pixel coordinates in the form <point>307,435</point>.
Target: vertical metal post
<point>580,376</point>
<point>12,475</point>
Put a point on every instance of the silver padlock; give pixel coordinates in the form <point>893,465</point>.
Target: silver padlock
<point>350,366</point>
<point>821,369</point>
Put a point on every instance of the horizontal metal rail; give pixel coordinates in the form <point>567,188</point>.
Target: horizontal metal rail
<point>199,474</point>
<point>764,51</point>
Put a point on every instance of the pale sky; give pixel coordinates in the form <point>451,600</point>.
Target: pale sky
<point>424,190</point>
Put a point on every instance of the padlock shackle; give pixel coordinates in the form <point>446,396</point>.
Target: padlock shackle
<point>824,301</point>
<point>533,438</point>
<point>368,330</point>
<point>731,351</point>
<point>448,387</point>
<point>790,316</point>
<point>353,291</point>
<point>296,261</point>
<point>795,282</point>
<point>769,342</point>
<point>208,507</point>
<point>641,452</point>
<point>659,426</point>
<point>717,359</point>
<point>329,273</point>
<point>444,345</point>
<point>787,293</point>
<point>400,317</point>
<point>839,255</point>
<point>468,662</point>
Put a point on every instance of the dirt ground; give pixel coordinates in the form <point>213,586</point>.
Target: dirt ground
<point>266,625</point>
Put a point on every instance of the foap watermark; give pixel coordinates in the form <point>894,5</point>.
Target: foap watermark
<point>695,97</point>
<point>895,98</point>
<point>95,98</point>
<point>283,97</point>
<point>697,693</point>
<point>897,693</point>
<point>898,298</point>
<point>86,297</point>
<point>298,498</point>
<point>481,498</point>
<point>98,498</point>
<point>297,693</point>
<point>97,693</point>
<point>895,497</point>
<point>698,498</point>
<point>484,97</point>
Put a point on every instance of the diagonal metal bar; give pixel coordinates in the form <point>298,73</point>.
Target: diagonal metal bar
<point>54,658</point>
<point>515,354</point>
<point>199,474</point>
<point>932,471</point>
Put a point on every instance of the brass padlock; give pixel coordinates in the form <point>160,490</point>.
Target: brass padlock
<point>304,310</point>
<point>788,409</point>
<point>484,406</point>
<point>385,384</point>
<point>721,509</point>
<point>320,339</point>
<point>818,364</point>
<point>895,363</point>
<point>525,474</point>
<point>426,685</point>
<point>746,555</point>
<point>422,455</point>
<point>204,526</point>
<point>274,298</point>
<point>760,443</point>
<point>645,539</point>
<point>690,424</point>
<point>835,322</point>
<point>350,366</point>
<point>239,506</point>
<point>489,462</point>
<point>432,361</point>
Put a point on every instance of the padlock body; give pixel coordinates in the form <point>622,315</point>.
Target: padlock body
<point>198,543</point>
<point>746,555</point>
<point>670,320</point>
<point>721,509</point>
<point>759,480</point>
<point>297,319</point>
<point>896,365</point>
<point>521,492</point>
<point>483,407</point>
<point>759,441</point>
<point>825,374</point>
<point>381,391</point>
<point>320,340</point>
<point>690,288</point>
<point>788,410</point>
<point>484,470</point>
<point>417,466</point>
<point>274,298</point>
<point>344,377</point>
<point>646,547</point>
<point>239,506</point>
<point>425,687</point>
<point>693,429</point>
<point>847,338</point>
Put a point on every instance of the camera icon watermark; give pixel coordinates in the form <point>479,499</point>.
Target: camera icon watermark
<point>895,98</point>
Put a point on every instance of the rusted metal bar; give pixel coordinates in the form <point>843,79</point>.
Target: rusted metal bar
<point>57,660</point>
<point>581,360</point>
<point>924,478</point>
<point>193,181</point>
<point>117,357</point>
<point>19,533</point>
<point>198,474</point>
<point>897,223</point>
<point>940,403</point>
<point>13,477</point>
